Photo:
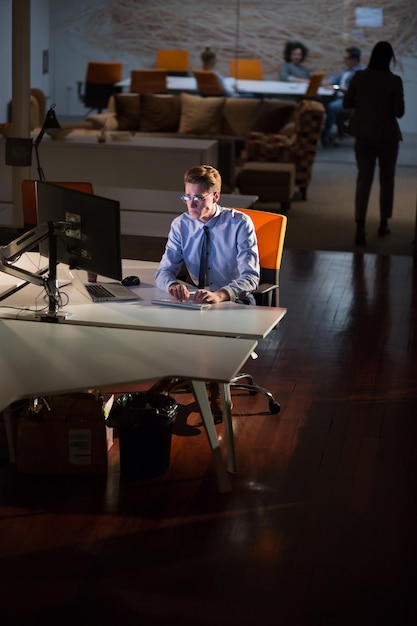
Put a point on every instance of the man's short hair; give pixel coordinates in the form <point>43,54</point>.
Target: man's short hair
<point>206,175</point>
<point>354,52</point>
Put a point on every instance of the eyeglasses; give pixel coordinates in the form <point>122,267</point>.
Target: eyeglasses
<point>187,198</point>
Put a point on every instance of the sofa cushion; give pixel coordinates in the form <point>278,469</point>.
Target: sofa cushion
<point>272,116</point>
<point>201,115</point>
<point>127,110</point>
<point>238,114</point>
<point>160,113</point>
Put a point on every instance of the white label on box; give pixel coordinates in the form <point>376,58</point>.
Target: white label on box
<point>80,446</point>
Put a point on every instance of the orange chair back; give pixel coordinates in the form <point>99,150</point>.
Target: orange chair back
<point>208,83</point>
<point>30,213</point>
<point>103,73</point>
<point>314,84</point>
<point>148,81</point>
<point>249,69</point>
<point>270,231</point>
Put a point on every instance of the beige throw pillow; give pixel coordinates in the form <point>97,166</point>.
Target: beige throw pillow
<point>200,116</point>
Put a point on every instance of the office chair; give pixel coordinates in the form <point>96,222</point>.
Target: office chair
<point>100,84</point>
<point>176,62</point>
<point>148,81</point>
<point>30,213</point>
<point>247,69</point>
<point>208,83</point>
<point>314,84</point>
<point>270,232</point>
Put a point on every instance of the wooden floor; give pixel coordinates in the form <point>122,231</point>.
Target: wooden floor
<point>320,528</point>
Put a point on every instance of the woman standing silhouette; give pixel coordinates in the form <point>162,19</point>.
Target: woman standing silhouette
<point>376,96</point>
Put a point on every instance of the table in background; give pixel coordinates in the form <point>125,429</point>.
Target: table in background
<point>273,88</point>
<point>140,162</point>
<point>149,212</point>
<point>261,88</point>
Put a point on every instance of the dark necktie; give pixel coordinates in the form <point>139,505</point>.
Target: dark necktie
<point>203,258</point>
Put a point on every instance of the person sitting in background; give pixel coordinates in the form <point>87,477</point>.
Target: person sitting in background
<point>209,60</point>
<point>292,70</point>
<point>340,82</point>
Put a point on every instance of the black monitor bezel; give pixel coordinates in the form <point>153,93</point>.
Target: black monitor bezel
<point>99,249</point>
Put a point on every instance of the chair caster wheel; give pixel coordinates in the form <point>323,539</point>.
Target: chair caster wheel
<point>274,407</point>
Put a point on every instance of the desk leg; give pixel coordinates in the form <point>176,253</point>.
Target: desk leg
<point>200,392</point>
<point>228,429</point>
<point>8,425</point>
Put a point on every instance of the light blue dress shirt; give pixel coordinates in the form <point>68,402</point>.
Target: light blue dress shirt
<point>233,260</point>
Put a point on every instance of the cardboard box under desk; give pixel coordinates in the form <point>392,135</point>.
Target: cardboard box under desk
<point>72,438</point>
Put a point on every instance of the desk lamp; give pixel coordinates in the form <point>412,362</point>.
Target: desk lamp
<point>19,150</point>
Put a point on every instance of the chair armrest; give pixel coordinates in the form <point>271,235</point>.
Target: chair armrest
<point>266,287</point>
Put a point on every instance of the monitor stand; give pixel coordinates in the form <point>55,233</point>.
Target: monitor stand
<point>25,243</point>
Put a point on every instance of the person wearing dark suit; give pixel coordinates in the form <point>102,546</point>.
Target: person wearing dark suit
<point>376,96</point>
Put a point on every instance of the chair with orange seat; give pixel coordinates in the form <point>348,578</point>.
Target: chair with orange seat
<point>148,81</point>
<point>270,231</point>
<point>208,83</point>
<point>100,84</point>
<point>175,62</point>
<point>246,69</point>
<point>30,213</point>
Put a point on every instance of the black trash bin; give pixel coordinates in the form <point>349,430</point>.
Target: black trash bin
<point>144,421</point>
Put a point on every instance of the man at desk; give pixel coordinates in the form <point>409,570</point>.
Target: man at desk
<point>218,247</point>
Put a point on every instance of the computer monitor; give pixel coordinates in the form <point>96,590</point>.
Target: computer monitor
<point>92,243</point>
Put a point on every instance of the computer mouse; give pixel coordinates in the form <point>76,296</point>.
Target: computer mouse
<point>131,281</point>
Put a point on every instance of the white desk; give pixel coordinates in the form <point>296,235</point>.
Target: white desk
<point>270,88</point>
<point>262,88</point>
<point>62,358</point>
<point>221,324</point>
<point>226,319</point>
<point>149,212</point>
<point>139,162</point>
<point>174,84</point>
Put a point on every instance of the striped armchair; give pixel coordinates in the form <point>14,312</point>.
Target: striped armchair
<point>298,147</point>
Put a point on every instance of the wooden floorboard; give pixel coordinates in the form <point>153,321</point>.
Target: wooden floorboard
<point>320,528</point>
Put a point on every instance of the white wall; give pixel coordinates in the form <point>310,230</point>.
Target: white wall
<point>77,31</point>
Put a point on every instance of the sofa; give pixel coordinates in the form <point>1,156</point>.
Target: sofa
<point>226,119</point>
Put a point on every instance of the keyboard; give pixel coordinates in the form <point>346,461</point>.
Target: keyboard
<point>184,304</point>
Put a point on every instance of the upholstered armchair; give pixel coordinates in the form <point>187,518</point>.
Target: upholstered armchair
<point>297,146</point>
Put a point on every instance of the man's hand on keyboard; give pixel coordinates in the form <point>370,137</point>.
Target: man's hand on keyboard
<point>179,291</point>
<point>211,297</point>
